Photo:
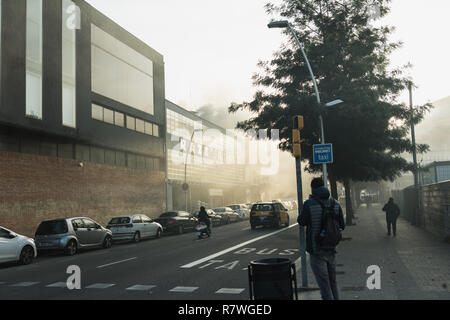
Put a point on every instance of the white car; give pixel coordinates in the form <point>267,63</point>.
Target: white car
<point>14,247</point>
<point>134,228</point>
<point>242,210</point>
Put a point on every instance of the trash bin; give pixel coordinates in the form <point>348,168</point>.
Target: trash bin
<point>272,279</point>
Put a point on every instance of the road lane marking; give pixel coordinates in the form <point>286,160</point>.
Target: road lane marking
<point>215,255</point>
<point>117,262</point>
<point>24,284</point>
<point>183,289</point>
<point>230,291</point>
<point>58,285</point>
<point>100,286</point>
<point>139,287</point>
<point>246,229</point>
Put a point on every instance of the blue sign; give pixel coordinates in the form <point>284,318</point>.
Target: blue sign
<point>323,153</point>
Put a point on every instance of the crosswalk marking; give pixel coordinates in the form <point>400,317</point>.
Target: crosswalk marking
<point>139,287</point>
<point>58,285</point>
<point>183,289</point>
<point>100,286</point>
<point>24,284</point>
<point>230,291</point>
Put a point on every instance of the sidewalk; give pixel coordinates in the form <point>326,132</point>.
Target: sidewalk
<point>414,265</point>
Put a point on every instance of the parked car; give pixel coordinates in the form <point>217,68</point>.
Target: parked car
<point>216,219</point>
<point>134,228</point>
<point>242,210</point>
<point>177,221</point>
<point>72,234</point>
<point>14,247</point>
<point>269,214</point>
<point>228,214</point>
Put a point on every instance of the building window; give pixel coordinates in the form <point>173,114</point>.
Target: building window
<point>131,123</point>
<point>119,119</point>
<point>97,112</point>
<point>121,73</point>
<point>140,125</point>
<point>68,67</point>
<point>108,116</point>
<point>148,128</point>
<point>156,130</point>
<point>34,59</point>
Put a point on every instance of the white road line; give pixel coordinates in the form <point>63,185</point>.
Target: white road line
<point>24,284</point>
<point>58,285</point>
<point>113,263</point>
<point>230,291</point>
<point>215,255</point>
<point>139,287</point>
<point>183,289</point>
<point>100,286</point>
<point>246,229</point>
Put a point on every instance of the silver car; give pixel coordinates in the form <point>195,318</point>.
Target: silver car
<point>134,228</point>
<point>71,234</point>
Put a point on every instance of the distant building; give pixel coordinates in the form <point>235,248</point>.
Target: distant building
<point>214,177</point>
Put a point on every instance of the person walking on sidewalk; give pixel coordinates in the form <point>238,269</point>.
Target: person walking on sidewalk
<point>392,213</point>
<point>322,258</point>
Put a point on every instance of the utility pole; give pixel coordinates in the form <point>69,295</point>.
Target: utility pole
<point>298,125</point>
<point>418,215</point>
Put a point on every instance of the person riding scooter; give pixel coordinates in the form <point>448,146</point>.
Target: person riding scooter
<point>203,217</point>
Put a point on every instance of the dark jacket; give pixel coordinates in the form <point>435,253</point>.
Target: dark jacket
<point>311,217</point>
<point>392,211</point>
<point>203,216</point>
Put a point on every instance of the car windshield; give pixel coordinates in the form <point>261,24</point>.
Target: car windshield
<point>52,227</point>
<point>120,220</point>
<point>169,214</point>
<point>262,207</point>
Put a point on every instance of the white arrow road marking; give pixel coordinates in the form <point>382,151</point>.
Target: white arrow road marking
<point>183,289</point>
<point>215,255</point>
<point>112,263</point>
<point>230,291</point>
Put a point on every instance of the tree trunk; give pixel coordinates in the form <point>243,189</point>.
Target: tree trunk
<point>348,203</point>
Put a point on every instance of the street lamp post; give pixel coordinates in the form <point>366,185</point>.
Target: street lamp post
<point>185,168</point>
<point>285,24</point>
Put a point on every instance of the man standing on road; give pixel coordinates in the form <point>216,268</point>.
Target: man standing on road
<point>392,213</point>
<point>322,260</point>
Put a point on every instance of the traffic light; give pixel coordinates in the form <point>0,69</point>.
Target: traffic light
<point>298,125</point>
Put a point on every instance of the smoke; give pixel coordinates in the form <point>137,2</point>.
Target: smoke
<point>281,185</point>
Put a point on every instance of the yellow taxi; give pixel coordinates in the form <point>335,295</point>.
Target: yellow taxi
<point>272,214</point>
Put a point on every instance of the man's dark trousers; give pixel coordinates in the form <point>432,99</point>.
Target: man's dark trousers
<point>323,265</point>
<point>392,223</point>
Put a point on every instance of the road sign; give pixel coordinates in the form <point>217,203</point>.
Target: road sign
<point>323,153</point>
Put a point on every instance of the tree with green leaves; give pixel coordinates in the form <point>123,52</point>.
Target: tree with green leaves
<point>350,60</point>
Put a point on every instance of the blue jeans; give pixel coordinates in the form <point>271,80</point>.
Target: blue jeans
<point>323,266</point>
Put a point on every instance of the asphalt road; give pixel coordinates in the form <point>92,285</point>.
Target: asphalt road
<point>177,267</point>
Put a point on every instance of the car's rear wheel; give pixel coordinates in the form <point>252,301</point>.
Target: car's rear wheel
<point>27,255</point>
<point>71,248</point>
<point>137,237</point>
<point>107,243</point>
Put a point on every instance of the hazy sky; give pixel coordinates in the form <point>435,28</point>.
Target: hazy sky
<point>211,47</point>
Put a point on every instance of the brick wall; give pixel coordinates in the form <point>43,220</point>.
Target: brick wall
<point>36,188</point>
<point>436,208</point>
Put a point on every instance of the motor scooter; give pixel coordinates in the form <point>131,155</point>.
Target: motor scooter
<point>202,230</point>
